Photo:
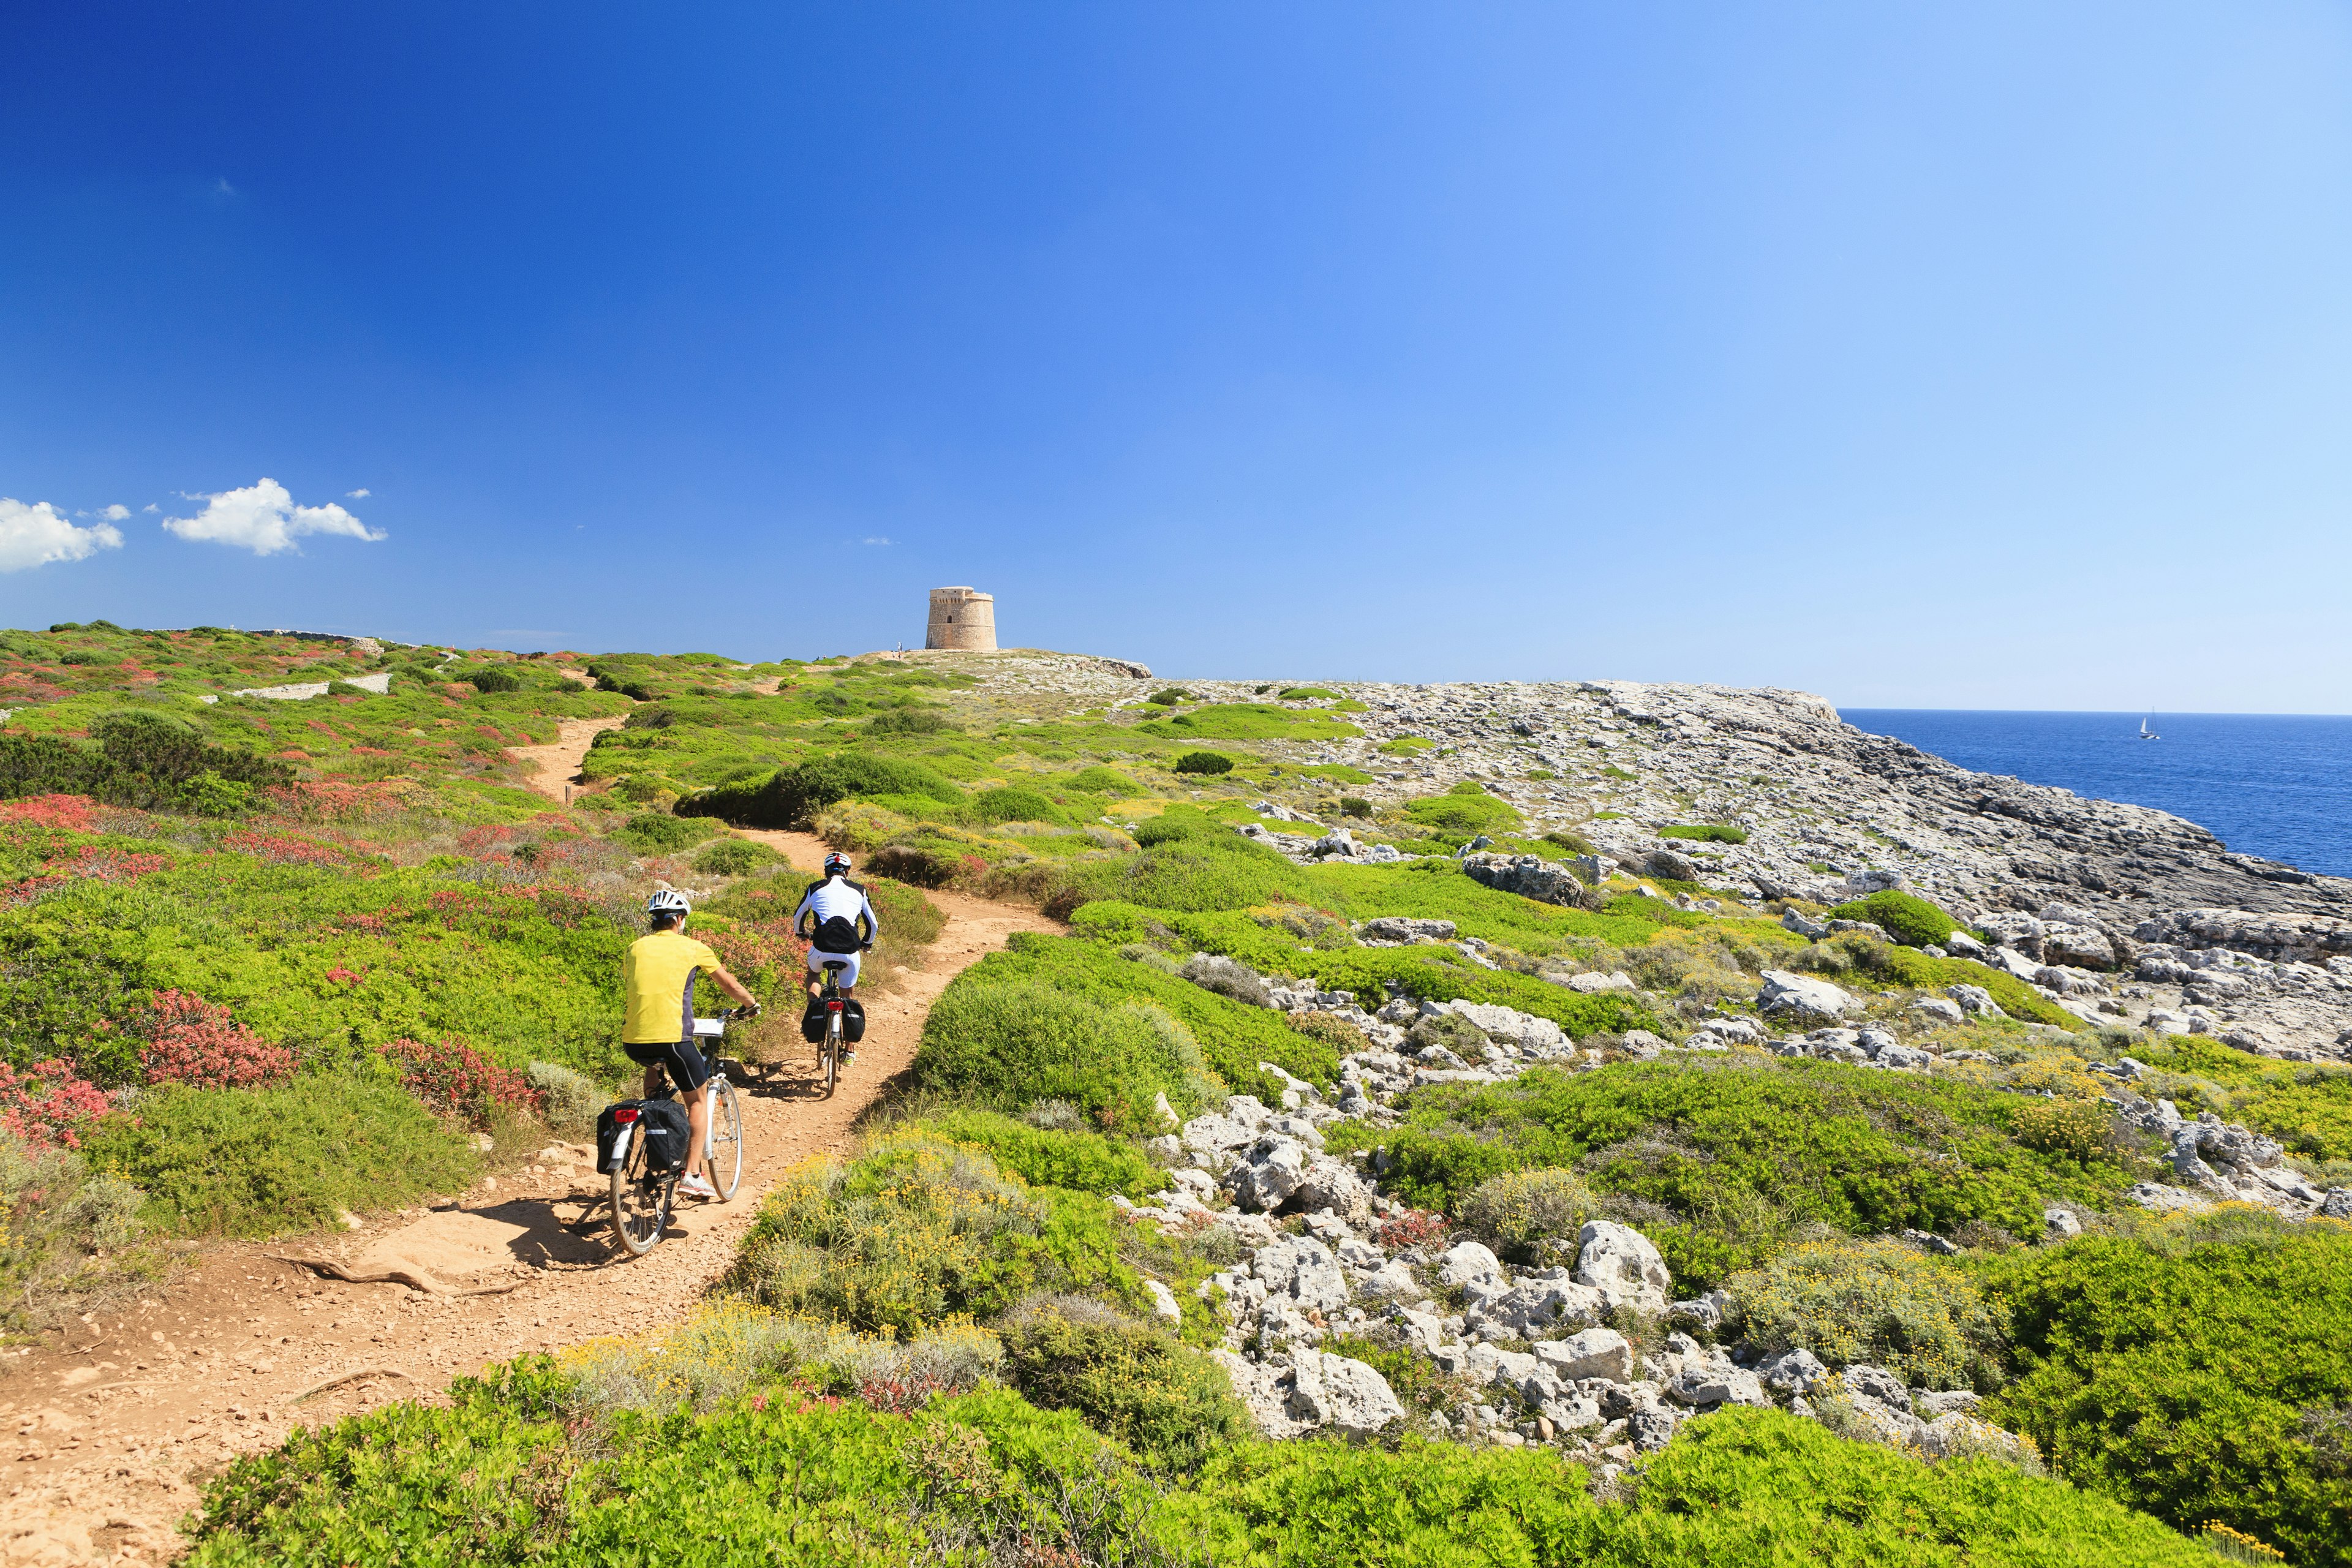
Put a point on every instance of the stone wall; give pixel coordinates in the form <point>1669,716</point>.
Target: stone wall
<point>963,619</point>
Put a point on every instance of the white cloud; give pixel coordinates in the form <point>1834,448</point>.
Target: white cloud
<point>876,539</point>
<point>263,518</point>
<point>359,494</point>
<point>36,534</point>
<point>151,506</point>
<point>117,512</point>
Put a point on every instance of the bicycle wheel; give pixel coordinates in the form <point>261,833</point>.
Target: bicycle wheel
<point>640,1202</point>
<point>831,1053</point>
<point>723,1161</point>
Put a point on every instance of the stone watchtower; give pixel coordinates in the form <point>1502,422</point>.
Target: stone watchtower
<point>963,619</point>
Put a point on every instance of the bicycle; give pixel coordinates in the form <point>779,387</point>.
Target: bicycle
<point>642,1198</point>
<point>828,1050</point>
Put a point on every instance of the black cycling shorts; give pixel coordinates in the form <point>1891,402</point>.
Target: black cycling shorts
<point>686,1068</point>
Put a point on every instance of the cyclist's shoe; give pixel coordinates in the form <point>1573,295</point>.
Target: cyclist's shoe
<point>697,1187</point>
<point>849,1059</point>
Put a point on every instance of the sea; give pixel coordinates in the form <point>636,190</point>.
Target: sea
<point>2277,786</point>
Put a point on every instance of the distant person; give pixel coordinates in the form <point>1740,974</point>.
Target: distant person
<point>838,918</point>
<point>657,1031</point>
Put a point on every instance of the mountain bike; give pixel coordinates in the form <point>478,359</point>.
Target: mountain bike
<point>642,1197</point>
<point>829,1049</point>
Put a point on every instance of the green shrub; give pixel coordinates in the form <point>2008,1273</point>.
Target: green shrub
<point>2078,1130</point>
<point>1518,1212</point>
<point>2311,1115</point>
<point>910,721</point>
<point>1465,813</point>
<point>1741,1152</point>
<point>1875,1301</point>
<point>259,1162</point>
<point>2188,1367</point>
<point>791,797</point>
<point>1574,843</point>
<point>1204,763</point>
<point>1309,693</point>
<point>1234,1039</point>
<point>915,1232</point>
<point>143,760</point>
<point>1139,1384</point>
<point>1079,1161</point>
<point>572,1099</point>
<point>491,678</point>
<point>735,858</point>
<point>1168,697</point>
<point>1355,805</point>
<point>63,1221</point>
<point>1008,1045</point>
<point>1103,781</point>
<point>1706,833</point>
<point>1909,920</point>
<point>1013,804</point>
<point>658,833</point>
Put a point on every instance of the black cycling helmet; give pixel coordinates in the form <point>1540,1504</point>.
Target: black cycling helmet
<point>836,864</point>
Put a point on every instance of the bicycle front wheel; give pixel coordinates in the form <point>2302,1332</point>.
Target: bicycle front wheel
<point>723,1160</point>
<point>640,1202</point>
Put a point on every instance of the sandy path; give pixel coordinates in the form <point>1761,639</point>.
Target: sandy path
<point>118,1421</point>
<point>555,766</point>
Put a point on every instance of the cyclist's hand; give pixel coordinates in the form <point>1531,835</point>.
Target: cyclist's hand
<point>747,1012</point>
<point>865,947</point>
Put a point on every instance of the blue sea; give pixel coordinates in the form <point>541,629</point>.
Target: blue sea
<point>2278,786</point>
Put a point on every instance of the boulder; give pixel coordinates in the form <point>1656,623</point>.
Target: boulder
<point>1403,929</point>
<point>1650,1428</point>
<point>1975,1000</point>
<point>1531,877</point>
<point>2338,1204</point>
<point>1273,1169</point>
<point>1940,1009</point>
<point>2082,946</point>
<point>1539,1305</point>
<point>1673,867</point>
<point>1592,982</point>
<point>1595,1352</point>
<point>1622,1265</point>
<point>1330,1184</point>
<point>1801,996</point>
<point>1877,1383</point>
<point>1337,1394</point>
<point>1795,1371</point>
<point>1958,1435</point>
<point>1946,1402</point>
<point>1466,1262</point>
<point>1301,1272</point>
<point>1713,1384</point>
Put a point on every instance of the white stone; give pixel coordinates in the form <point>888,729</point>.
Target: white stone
<point>1622,1265</point>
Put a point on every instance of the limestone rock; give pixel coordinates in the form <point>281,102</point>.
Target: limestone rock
<point>1801,996</point>
<point>1621,1264</point>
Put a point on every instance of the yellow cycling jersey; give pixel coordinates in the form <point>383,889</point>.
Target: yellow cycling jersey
<point>657,977</point>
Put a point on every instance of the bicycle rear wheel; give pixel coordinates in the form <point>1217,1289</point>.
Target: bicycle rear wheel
<point>640,1202</point>
<point>723,1162</point>
<point>831,1053</point>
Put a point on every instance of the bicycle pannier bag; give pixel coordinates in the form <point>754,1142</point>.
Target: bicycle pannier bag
<point>812,1023</point>
<point>852,1020</point>
<point>668,1135</point>
<point>615,1125</point>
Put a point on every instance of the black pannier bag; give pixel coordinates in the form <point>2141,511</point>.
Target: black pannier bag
<point>611,1123</point>
<point>812,1023</point>
<point>852,1020</point>
<point>668,1135</point>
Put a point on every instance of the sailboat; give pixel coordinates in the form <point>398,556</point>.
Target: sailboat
<point>2147,734</point>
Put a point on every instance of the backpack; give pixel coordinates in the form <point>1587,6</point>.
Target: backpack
<point>836,933</point>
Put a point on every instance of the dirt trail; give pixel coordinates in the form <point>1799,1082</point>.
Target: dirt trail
<point>555,765</point>
<point>118,1421</point>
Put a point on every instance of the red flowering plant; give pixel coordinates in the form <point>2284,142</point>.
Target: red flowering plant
<point>69,812</point>
<point>195,1042</point>
<point>454,1079</point>
<point>46,1104</point>
<point>284,849</point>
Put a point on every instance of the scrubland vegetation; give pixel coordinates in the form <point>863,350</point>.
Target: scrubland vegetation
<point>333,940</point>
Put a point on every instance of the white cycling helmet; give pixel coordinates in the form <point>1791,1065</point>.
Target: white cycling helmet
<point>667,901</point>
<point>836,864</point>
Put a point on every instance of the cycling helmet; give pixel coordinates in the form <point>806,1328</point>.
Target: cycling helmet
<point>836,864</point>
<point>667,901</point>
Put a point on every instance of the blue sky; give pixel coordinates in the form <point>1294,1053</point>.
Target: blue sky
<point>1995,355</point>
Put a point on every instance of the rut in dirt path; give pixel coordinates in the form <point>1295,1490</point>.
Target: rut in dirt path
<point>119,1421</point>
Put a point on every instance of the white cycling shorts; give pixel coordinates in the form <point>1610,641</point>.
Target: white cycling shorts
<point>817,961</point>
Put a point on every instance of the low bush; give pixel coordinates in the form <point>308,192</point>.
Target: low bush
<point>1169,697</point>
<point>1874,1301</point>
<point>1102,781</point>
<point>1079,1161</point>
<point>2311,1113</point>
<point>735,858</point>
<point>1464,813</point>
<point>491,678</point>
<point>1738,1154</point>
<point>1011,1045</point>
<point>1204,763</point>
<point>452,1078</point>
<point>658,833</point>
<point>1909,918</point>
<point>266,1162</point>
<point>1166,1401</point>
<point>1518,1212</point>
<point>569,1101</point>
<point>918,1231</point>
<point>2189,1367</point>
<point>1013,804</point>
<point>62,1220</point>
<point>1307,694</point>
<point>1355,805</point>
<point>910,721</point>
<point>2079,1130</point>
<point>195,1042</point>
<point>1706,833</point>
<point>791,797</point>
<point>143,760</point>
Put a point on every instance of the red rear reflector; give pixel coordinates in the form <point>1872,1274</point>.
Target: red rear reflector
<point>833,1007</point>
<point>629,1115</point>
